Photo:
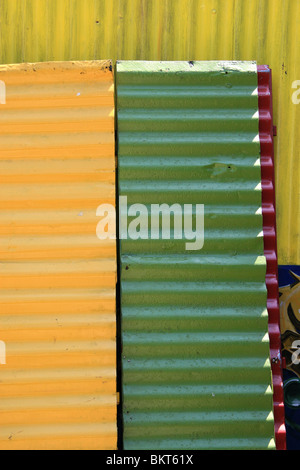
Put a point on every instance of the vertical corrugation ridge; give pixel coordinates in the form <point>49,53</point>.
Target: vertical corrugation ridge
<point>266,132</point>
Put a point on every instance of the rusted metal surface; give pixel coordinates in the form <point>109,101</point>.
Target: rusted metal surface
<point>57,280</point>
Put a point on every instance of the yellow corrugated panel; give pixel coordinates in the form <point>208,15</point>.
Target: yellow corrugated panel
<point>57,279</point>
<point>263,30</point>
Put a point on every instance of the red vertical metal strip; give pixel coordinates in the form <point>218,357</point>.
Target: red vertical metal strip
<point>266,132</point>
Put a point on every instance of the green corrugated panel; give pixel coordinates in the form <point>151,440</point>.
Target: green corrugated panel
<point>195,358</point>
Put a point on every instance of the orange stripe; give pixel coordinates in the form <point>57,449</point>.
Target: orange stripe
<point>58,281</point>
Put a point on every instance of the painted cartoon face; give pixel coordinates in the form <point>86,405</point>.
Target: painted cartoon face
<point>290,323</point>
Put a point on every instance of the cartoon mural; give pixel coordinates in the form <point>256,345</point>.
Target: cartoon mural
<point>289,299</point>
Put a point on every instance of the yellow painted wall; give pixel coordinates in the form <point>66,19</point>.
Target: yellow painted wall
<point>267,31</point>
<point>57,279</point>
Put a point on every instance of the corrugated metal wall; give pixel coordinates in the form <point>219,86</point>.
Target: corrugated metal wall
<point>57,280</point>
<point>266,137</point>
<point>262,30</point>
<point>196,369</point>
